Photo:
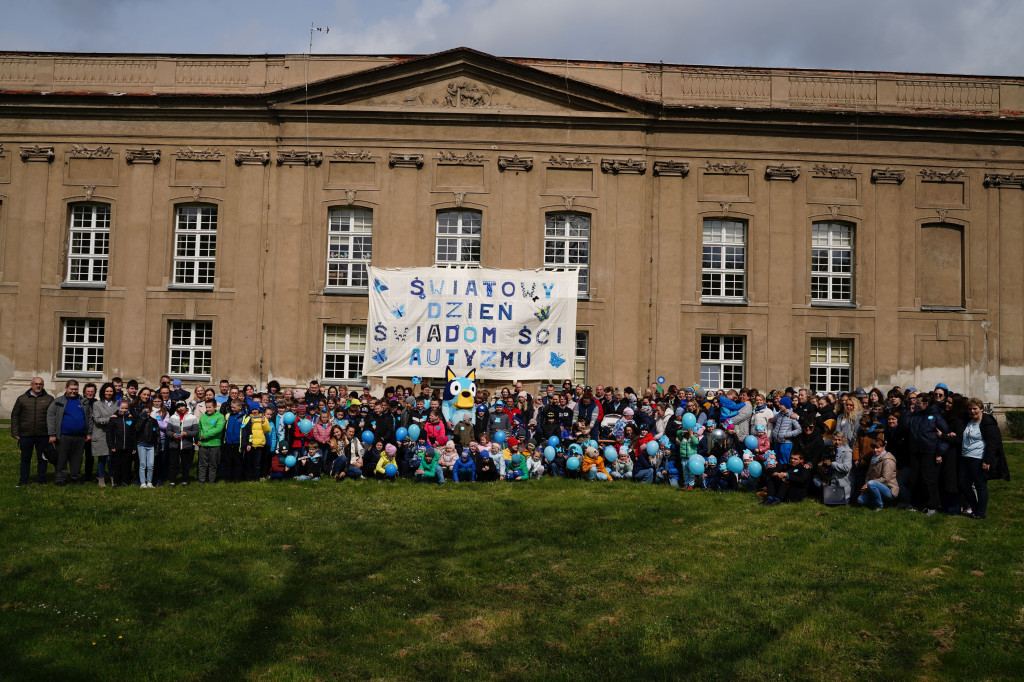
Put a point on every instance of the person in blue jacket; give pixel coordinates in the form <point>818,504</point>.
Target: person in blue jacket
<point>464,469</point>
<point>924,428</point>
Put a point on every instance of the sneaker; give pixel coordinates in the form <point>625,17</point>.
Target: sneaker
<point>877,509</point>
<point>930,512</point>
<point>20,483</point>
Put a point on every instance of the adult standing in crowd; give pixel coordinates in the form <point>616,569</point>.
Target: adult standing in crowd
<point>982,458</point>
<point>103,409</point>
<point>69,424</point>
<point>28,427</point>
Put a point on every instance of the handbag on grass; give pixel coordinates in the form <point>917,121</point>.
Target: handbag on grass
<point>833,494</point>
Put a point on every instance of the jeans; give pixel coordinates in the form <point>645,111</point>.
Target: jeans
<point>594,475</point>
<point>438,477</point>
<point>42,448</point>
<point>101,466</point>
<point>688,477</point>
<point>644,476</point>
<point>69,455</point>
<point>783,452</point>
<point>876,495</point>
<point>974,484</point>
<point>147,454</point>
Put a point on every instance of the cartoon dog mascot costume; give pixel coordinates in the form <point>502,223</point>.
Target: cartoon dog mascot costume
<point>459,396</point>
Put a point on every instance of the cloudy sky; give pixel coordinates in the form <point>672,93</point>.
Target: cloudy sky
<point>942,36</point>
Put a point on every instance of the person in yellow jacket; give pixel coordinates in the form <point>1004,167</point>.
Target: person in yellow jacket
<point>255,428</point>
<point>593,465</point>
<point>389,456</point>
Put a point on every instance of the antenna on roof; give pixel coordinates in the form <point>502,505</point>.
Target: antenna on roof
<point>314,27</point>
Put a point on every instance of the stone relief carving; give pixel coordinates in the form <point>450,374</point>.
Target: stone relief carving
<point>833,210</point>
<point>629,166</point>
<point>399,160</point>
<point>1004,180</point>
<point>568,201</point>
<point>89,191</point>
<point>515,163</point>
<point>98,152</point>
<point>141,155</point>
<point>459,198</point>
<point>451,158</point>
<point>728,168</point>
<point>197,191</point>
<point>942,213</point>
<point>726,205</point>
<point>345,155</point>
<point>208,154</point>
<point>469,94</point>
<point>680,168</point>
<point>252,157</point>
<point>456,94</point>
<point>569,161</point>
<point>299,157</point>
<point>936,175</point>
<point>888,175</point>
<point>841,171</point>
<point>782,172</point>
<point>350,196</point>
<point>36,153</point>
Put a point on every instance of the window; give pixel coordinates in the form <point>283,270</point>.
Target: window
<point>343,351</point>
<point>82,350</point>
<point>832,263</point>
<point>580,366</point>
<point>724,274</point>
<point>567,245</point>
<point>349,246</point>
<point>89,243</point>
<point>191,348</point>
<point>195,245</point>
<point>721,361</point>
<point>458,238</point>
<point>831,364</point>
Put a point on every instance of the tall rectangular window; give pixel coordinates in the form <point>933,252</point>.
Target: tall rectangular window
<point>724,262</point>
<point>89,243</point>
<point>82,347</point>
<point>349,247</point>
<point>721,361</point>
<point>343,351</point>
<point>832,263</point>
<point>191,348</point>
<point>458,238</point>
<point>580,366</point>
<point>567,245</point>
<point>831,364</point>
<point>195,245</point>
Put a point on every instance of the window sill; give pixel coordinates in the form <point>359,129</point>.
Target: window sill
<point>191,377</point>
<point>190,287</point>
<point>83,285</point>
<point>79,375</point>
<point>708,300</point>
<point>346,291</point>
<point>943,309</point>
<point>833,304</point>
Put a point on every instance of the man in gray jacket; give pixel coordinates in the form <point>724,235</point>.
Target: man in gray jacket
<point>28,427</point>
<point>69,424</point>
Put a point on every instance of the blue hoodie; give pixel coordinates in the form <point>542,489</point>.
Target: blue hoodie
<point>233,430</point>
<point>464,469</point>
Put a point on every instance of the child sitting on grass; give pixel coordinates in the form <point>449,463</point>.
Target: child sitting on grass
<point>464,470</point>
<point>535,465</point>
<point>622,467</point>
<point>517,469</point>
<point>593,465</point>
<point>389,456</point>
<point>429,471</point>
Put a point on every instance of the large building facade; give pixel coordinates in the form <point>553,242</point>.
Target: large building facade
<point>213,216</point>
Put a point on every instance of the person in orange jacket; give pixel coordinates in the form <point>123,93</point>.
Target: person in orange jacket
<point>593,465</point>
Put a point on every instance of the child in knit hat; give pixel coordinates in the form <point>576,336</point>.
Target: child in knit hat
<point>593,465</point>
<point>389,456</point>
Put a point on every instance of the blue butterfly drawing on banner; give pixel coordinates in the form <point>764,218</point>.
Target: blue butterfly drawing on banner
<point>399,311</point>
<point>379,286</point>
<point>543,314</point>
<point>556,360</point>
<point>380,355</point>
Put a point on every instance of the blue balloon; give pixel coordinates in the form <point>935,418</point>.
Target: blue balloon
<point>735,464</point>
<point>750,442</point>
<point>664,441</point>
<point>652,448</point>
<point>696,464</point>
<point>390,470</point>
<point>592,443</point>
<point>549,453</point>
<point>602,477</point>
<point>689,421</point>
<point>575,450</point>
<point>414,432</point>
<point>499,436</point>
<point>573,463</point>
<point>305,426</point>
<point>368,437</point>
<point>553,441</point>
<point>609,453</point>
<point>289,418</point>
<point>755,469</point>
<point>401,433</point>
<point>289,461</point>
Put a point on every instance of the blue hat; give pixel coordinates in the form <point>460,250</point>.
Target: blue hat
<point>911,389</point>
<point>786,402</point>
<point>499,404</point>
<point>679,411</point>
<point>942,386</point>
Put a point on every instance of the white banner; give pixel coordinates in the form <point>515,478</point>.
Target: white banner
<point>508,324</point>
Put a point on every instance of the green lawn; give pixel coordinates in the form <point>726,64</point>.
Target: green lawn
<point>538,580</point>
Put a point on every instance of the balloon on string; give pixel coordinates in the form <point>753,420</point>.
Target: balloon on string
<point>718,435</point>
<point>499,436</point>
<point>755,469</point>
<point>368,437</point>
<point>609,453</point>
<point>573,463</point>
<point>553,441</point>
<point>689,421</point>
<point>289,461</point>
<point>735,464</point>
<point>289,418</point>
<point>305,426</point>
<point>696,464</point>
<point>592,443</point>
<point>390,470</point>
<point>401,433</point>
<point>750,442</point>
<point>652,447</point>
<point>414,432</point>
<point>549,453</point>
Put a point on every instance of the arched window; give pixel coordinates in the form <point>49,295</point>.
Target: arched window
<point>458,238</point>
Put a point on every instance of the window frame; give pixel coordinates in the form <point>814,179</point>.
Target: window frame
<point>829,366</point>
<point>196,260</point>
<point>88,324</point>
<point>567,240</point>
<point>347,355</point>
<point>722,362</point>
<point>829,274</point>
<point>192,348</point>
<point>92,256</point>
<point>462,238</point>
<point>357,230</point>
<point>720,273</point>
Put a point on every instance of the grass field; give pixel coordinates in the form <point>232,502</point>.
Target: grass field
<point>538,580</point>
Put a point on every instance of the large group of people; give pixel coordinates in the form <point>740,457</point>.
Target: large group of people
<point>929,451</point>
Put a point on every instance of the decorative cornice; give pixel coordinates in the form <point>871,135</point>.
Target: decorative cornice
<point>630,166</point>
<point>782,172</point>
<point>1004,180</point>
<point>141,155</point>
<point>569,161</point>
<point>399,160</point>
<point>299,157</point>
<point>841,171</point>
<point>678,168</point>
<point>736,168</point>
<point>208,154</point>
<point>252,157</point>
<point>98,152</point>
<point>37,153</point>
<point>888,175</point>
<point>935,175</point>
<point>453,159</point>
<point>345,155</point>
<point>515,162</point>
